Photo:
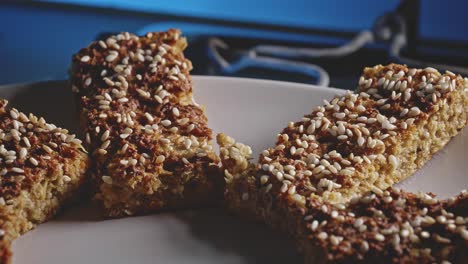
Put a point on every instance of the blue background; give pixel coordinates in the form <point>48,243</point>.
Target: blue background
<point>37,40</point>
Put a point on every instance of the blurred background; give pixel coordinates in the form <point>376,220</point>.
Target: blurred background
<point>294,40</point>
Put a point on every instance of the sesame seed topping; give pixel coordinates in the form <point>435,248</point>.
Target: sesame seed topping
<point>414,111</point>
<point>33,161</point>
<point>106,179</point>
<point>85,58</point>
<point>379,237</point>
<point>175,111</point>
<point>160,159</point>
<point>111,57</point>
<point>66,178</point>
<point>166,122</point>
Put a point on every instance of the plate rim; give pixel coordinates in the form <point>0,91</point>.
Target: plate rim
<point>296,85</point>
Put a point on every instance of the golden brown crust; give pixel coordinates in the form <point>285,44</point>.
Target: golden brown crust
<point>150,140</point>
<point>41,167</point>
<point>5,253</point>
<point>354,144</point>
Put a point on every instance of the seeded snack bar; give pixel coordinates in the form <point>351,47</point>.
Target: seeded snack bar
<point>148,137</point>
<point>41,167</point>
<point>356,143</point>
<point>390,226</point>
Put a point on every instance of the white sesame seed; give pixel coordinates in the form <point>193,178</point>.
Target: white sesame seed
<point>360,108</point>
<point>106,144</point>
<point>140,57</point>
<point>107,179</point>
<point>107,96</point>
<point>111,57</point>
<point>187,143</point>
<point>47,148</point>
<point>334,214</point>
<point>23,152</point>
<point>381,81</point>
<point>385,107</point>
<point>340,115</point>
<point>17,170</point>
<point>379,237</point>
<point>441,219</point>
<point>441,239</point>
<point>430,70</point>
<point>183,121</point>
<point>322,236</point>
<point>362,80</point>
<point>88,81</point>
<point>190,127</point>
<point>293,150</point>
<point>143,93</point>
<point>371,120</point>
<point>102,44</point>
<point>85,58</point>
<point>158,99</point>
<point>66,178</point>
<point>14,114</point>
<point>404,233</point>
<point>407,95</point>
<point>149,117</point>
<point>464,233</point>
<point>166,122</point>
<point>342,137</point>
<point>414,111</point>
<point>385,84</point>
<point>122,100</point>
<point>108,81</point>
<point>105,135</point>
<point>175,111</point>
<point>399,74</point>
<point>314,225</point>
<point>361,141</point>
<point>33,161</point>
<point>341,129</point>
<point>132,162</point>
<point>245,196</point>
<point>279,176</point>
<point>124,148</point>
<point>425,234</point>
<point>160,159</point>
<point>403,86</point>
<point>334,240</point>
<point>264,179</point>
<point>102,151</point>
<point>364,246</point>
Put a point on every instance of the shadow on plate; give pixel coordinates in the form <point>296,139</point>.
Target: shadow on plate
<point>255,242</point>
<point>83,212</point>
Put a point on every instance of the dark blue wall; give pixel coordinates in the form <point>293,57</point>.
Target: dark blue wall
<point>37,41</point>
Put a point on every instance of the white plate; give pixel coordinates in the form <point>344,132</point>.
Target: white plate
<point>252,111</point>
